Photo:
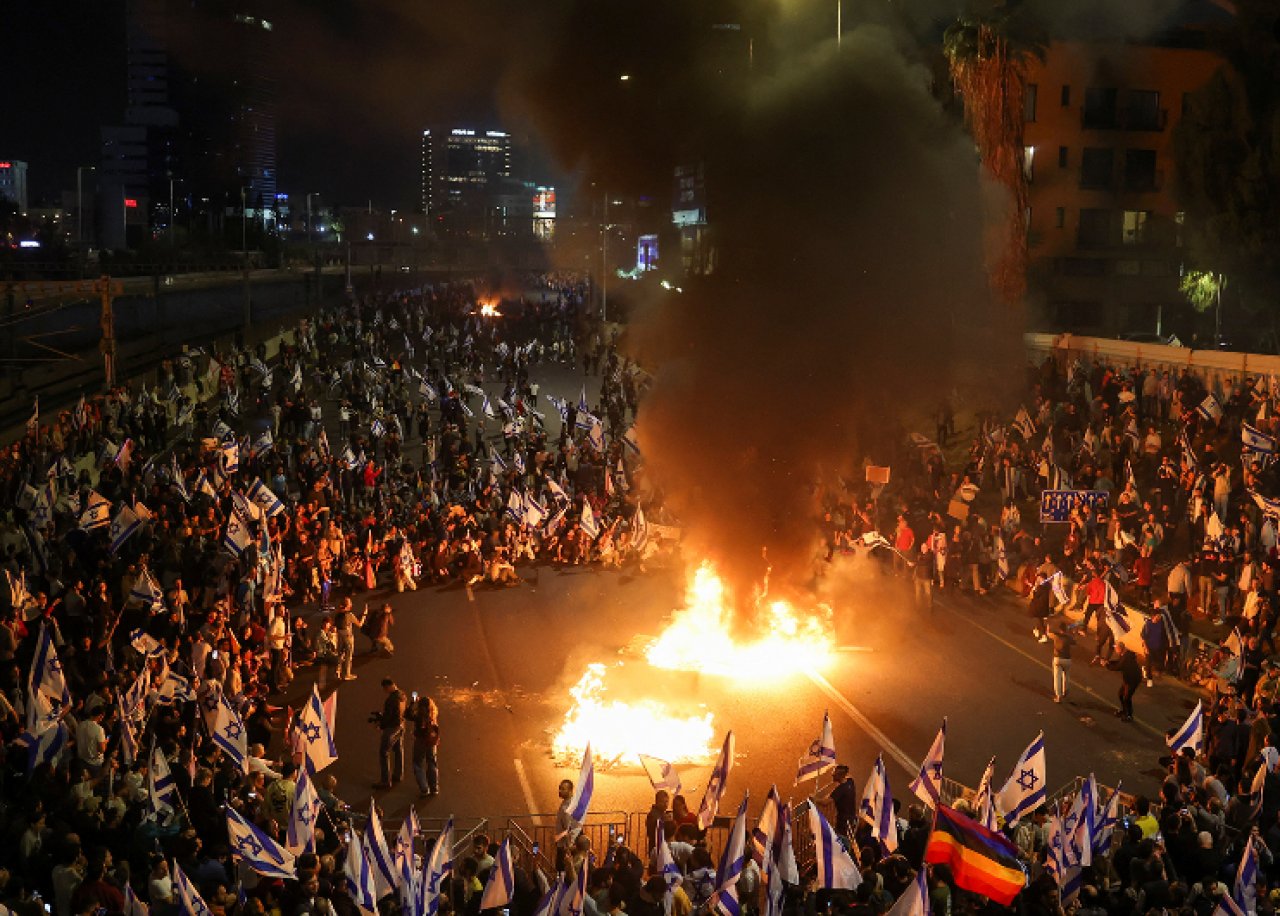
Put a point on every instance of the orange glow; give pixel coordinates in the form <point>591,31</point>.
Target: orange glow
<point>699,638</point>
<point>489,310</point>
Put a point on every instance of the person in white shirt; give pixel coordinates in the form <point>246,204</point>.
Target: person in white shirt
<point>91,741</point>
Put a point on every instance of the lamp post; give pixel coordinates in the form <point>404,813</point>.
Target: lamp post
<point>244,264</point>
<point>604,262</point>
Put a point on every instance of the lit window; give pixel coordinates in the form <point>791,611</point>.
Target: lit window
<point>1134,226</point>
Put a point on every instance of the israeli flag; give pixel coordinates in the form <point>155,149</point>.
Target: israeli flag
<point>582,401</point>
<point>44,736</point>
<point>257,850</point>
<point>590,527</point>
<point>128,737</point>
<point>162,791</point>
<point>1269,507</point>
<point>716,784</point>
<point>1104,833</point>
<point>237,538</point>
<point>132,905</point>
<point>580,801</point>
<point>263,444</point>
<point>97,513</point>
<point>1025,789</point>
<point>146,589</point>
<point>822,753</point>
<point>1227,907</point>
<point>1023,423</point>
<point>378,855</point>
<point>301,835</point>
<point>359,876</point>
<point>312,725</point>
<point>664,862</point>
<point>1245,889</point>
<point>438,867</point>
<point>229,733</point>
<point>768,829</point>
<point>1191,734</point>
<point>230,457</point>
<point>1209,408</point>
<point>573,897</point>
<point>1256,442</point>
<point>262,497</point>
<point>403,859</point>
<point>190,903</point>
<point>518,461</point>
<point>558,492</point>
<point>502,879</point>
<point>927,785</point>
<point>1077,828</point>
<point>46,677</point>
<point>915,899</point>
<point>515,507</point>
<point>487,408</point>
<point>428,391</point>
<point>835,869</point>
<point>984,803</point>
<point>732,860</point>
<point>662,775</point>
<point>123,526</point>
<point>877,807</point>
<point>595,437</point>
<point>534,513</point>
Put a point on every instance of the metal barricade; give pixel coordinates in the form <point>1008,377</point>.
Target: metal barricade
<point>540,833</point>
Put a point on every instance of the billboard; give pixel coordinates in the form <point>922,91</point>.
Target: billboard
<point>544,203</point>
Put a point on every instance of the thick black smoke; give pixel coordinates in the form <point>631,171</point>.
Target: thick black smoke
<point>847,211</point>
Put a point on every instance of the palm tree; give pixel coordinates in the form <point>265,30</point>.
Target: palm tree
<point>988,54</point>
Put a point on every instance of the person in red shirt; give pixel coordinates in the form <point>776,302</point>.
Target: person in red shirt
<point>903,540</point>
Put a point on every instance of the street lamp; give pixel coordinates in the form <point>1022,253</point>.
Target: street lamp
<point>244,264</point>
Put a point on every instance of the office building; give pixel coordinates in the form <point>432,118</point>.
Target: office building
<point>13,182</point>
<point>461,168</point>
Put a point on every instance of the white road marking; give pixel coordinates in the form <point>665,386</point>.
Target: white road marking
<point>1076,684</point>
<point>527,790</point>
<point>860,719</point>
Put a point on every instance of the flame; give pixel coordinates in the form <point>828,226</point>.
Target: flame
<point>489,310</point>
<point>699,638</point>
<point>618,730</point>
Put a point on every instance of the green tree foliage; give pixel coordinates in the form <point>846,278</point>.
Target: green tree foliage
<point>1228,159</point>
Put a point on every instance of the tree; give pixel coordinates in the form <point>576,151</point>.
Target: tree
<point>1227,149</point>
<point>988,54</point>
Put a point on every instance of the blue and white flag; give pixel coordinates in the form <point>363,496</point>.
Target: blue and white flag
<point>664,863</point>
<point>1104,832</point>
<point>428,391</point>
<point>46,677</point>
<point>229,733</point>
<point>262,444</point>
<point>662,775</point>
<point>557,491</point>
<point>128,736</point>
<point>595,436</point>
<point>123,526</point>
<point>487,409</point>
<point>716,784</point>
<point>162,791</point>
<point>1256,442</point>
<point>515,507</point>
<point>1227,907</point>
<point>266,500</point>
<point>257,850</point>
<point>732,860</point>
<point>230,453</point>
<point>767,828</point>
<point>1078,827</point>
<point>590,527</point>
<point>927,785</point>
<point>1209,408</point>
<point>1245,889</point>
<point>1269,507</point>
<point>97,513</point>
<point>132,905</point>
<point>402,857</point>
<point>501,885</point>
<point>877,807</point>
<point>984,802</point>
<point>1025,791</point>
<point>189,901</point>
<point>915,899</point>
<point>1191,734</point>
<point>1025,426</point>
<point>822,753</point>
<point>584,788</point>
<point>582,400</point>
<point>359,876</point>
<point>385,879</point>
<point>146,589</point>
<point>835,869</point>
<point>301,835</point>
<point>313,728</point>
<point>237,538</point>
<point>377,429</point>
<point>44,736</point>
<point>573,897</point>
<point>437,868</point>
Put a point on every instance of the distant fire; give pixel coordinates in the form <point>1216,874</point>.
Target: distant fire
<point>489,310</point>
<point>698,638</point>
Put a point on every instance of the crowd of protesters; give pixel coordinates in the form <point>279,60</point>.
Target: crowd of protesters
<point>403,440</point>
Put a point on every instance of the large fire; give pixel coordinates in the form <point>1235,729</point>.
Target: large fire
<point>490,310</point>
<point>700,639</point>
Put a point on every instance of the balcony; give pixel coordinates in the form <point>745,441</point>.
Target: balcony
<point>1143,182</point>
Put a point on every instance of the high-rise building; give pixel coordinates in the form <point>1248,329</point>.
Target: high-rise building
<point>13,182</point>
<point>461,166</point>
<point>201,131</point>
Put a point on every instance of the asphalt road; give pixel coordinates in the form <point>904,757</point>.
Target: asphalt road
<point>499,662</point>
<point>499,667</point>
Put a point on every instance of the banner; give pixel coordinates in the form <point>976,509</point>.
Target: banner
<point>1057,505</point>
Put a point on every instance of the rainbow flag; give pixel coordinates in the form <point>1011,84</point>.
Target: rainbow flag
<point>981,861</point>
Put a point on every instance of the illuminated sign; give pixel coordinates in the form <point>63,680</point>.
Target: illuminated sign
<point>463,132</point>
<point>495,133</point>
<point>647,253</point>
<point>28,243</point>
<point>544,203</point>
<point>6,165</point>
<point>130,203</point>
